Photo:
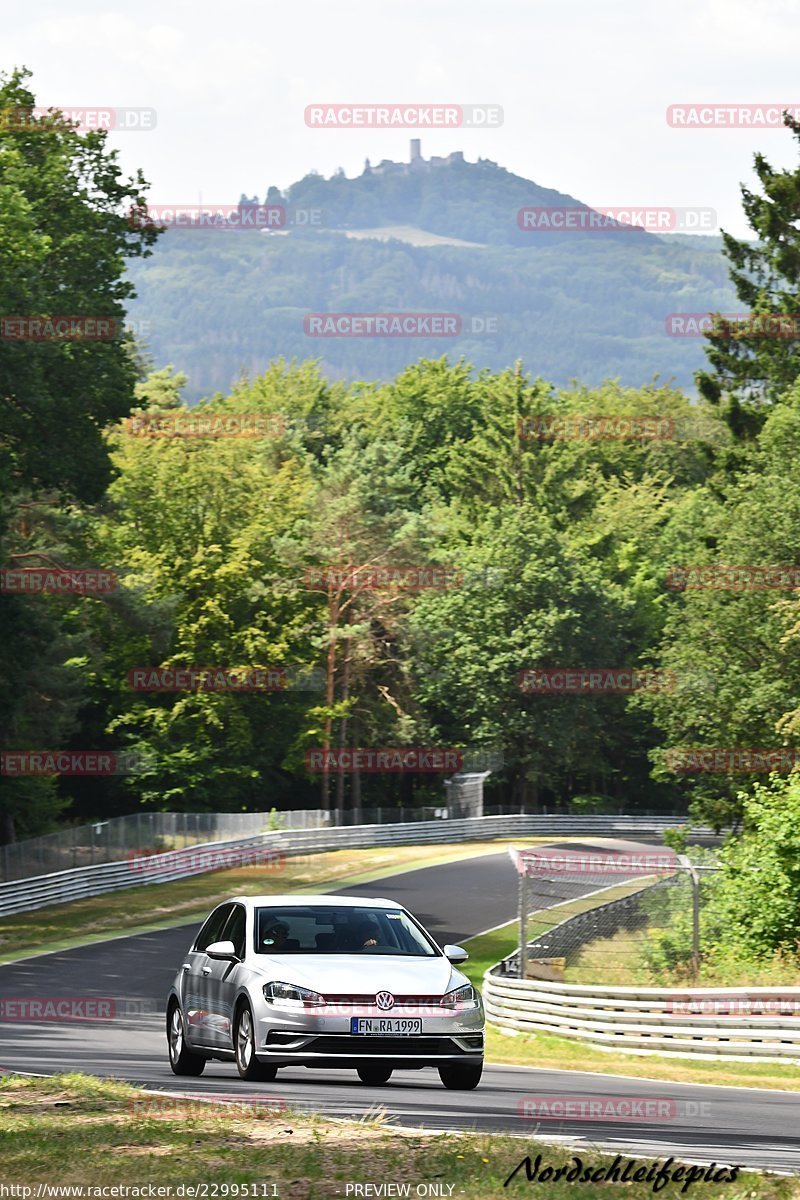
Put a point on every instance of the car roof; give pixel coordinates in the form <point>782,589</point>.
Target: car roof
<point>296,901</point>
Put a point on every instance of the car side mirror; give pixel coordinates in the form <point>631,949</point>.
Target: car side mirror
<point>222,950</point>
<point>455,954</point>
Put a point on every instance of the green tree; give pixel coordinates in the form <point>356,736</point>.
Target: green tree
<point>756,903</point>
<point>751,370</point>
<point>64,241</point>
<point>65,236</point>
<point>733,650</point>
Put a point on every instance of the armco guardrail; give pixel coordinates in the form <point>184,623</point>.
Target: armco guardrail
<point>114,838</point>
<point>39,891</point>
<point>732,1023</point>
<point>24,895</point>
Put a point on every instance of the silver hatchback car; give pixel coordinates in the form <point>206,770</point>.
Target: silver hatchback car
<point>323,981</point>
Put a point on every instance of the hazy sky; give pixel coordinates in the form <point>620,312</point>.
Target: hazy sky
<point>584,87</point>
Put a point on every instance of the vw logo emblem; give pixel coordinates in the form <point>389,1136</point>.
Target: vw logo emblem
<point>384,1000</point>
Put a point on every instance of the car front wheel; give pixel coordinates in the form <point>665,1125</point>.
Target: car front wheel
<point>244,1044</point>
<point>374,1073</point>
<point>181,1059</point>
<point>461,1077</point>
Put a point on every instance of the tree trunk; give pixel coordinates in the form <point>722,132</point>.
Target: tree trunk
<point>330,681</point>
<point>343,728</point>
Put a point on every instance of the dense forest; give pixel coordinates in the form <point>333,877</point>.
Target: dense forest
<point>554,519</point>
<point>588,305</point>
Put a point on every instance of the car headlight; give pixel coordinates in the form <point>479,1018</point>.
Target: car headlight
<point>462,997</point>
<point>289,995</point>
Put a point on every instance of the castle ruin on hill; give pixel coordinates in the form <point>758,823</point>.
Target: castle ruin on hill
<point>415,162</point>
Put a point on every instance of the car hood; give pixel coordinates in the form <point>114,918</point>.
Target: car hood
<point>354,974</point>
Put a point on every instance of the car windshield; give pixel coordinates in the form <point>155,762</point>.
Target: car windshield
<point>334,929</point>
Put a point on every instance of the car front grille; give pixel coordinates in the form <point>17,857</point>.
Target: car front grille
<point>406,1046</point>
<point>399,1001</point>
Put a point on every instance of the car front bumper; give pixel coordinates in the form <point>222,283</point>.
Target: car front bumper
<point>323,1040</point>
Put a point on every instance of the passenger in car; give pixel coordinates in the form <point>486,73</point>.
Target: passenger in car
<point>275,938</point>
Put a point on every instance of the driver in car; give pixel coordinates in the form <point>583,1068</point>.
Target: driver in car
<point>366,934</point>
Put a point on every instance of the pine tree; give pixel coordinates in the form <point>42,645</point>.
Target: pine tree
<point>752,365</point>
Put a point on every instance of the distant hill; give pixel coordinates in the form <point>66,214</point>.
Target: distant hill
<point>571,304</point>
<point>477,202</point>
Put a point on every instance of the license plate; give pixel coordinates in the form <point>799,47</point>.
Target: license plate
<point>377,1026</point>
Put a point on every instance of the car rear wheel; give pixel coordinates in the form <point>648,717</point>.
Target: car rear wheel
<point>461,1077</point>
<point>181,1059</point>
<point>374,1073</point>
<point>244,1045</point>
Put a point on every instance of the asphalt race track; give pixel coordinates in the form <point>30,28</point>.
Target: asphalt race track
<point>752,1127</point>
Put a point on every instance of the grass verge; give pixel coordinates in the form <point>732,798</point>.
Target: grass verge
<point>567,1054</point>
<point>74,1130</point>
<point>619,959</point>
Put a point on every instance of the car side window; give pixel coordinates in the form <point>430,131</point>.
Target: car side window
<point>234,930</point>
<point>212,930</point>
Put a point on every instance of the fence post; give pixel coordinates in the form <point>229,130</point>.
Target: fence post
<point>695,878</point>
<point>695,924</point>
<point>523,921</point>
